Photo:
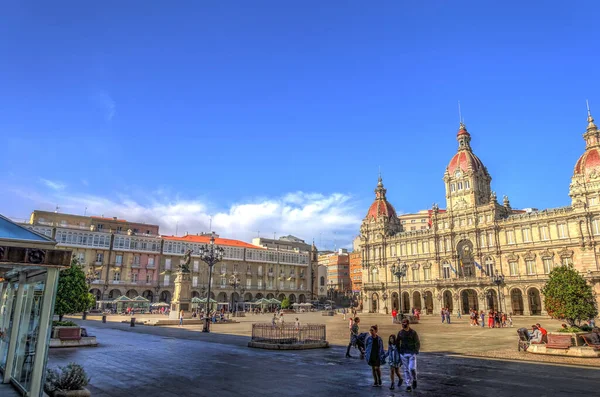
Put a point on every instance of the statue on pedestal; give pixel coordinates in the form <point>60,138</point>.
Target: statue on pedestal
<point>184,266</point>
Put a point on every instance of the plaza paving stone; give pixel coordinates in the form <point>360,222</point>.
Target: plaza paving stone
<point>172,361</point>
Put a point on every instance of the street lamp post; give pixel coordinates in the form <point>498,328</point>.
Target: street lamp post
<point>234,282</point>
<point>211,255</point>
<point>400,271</point>
<point>498,279</point>
<point>90,277</point>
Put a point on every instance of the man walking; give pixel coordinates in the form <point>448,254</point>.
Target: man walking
<point>408,346</point>
<point>353,337</point>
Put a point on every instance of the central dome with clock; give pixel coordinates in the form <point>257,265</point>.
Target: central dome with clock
<point>467,179</point>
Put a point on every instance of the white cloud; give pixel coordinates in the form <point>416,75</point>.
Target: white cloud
<point>306,215</point>
<point>54,185</point>
<point>107,103</point>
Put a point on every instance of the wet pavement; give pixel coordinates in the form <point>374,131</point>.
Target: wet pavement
<point>153,361</point>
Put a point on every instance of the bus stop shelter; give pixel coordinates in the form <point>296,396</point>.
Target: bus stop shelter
<point>29,268</point>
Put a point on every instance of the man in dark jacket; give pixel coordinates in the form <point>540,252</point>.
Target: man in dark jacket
<point>408,346</point>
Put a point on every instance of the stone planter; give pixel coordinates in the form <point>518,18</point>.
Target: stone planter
<point>70,332</point>
<point>576,338</point>
<point>71,393</point>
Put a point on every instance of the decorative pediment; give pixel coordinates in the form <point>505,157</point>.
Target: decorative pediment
<point>565,253</point>
<point>415,266</point>
<point>546,254</point>
<point>427,266</point>
<point>512,257</point>
<point>529,256</point>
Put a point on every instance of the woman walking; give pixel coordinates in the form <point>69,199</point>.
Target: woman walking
<point>375,355</point>
<point>394,359</point>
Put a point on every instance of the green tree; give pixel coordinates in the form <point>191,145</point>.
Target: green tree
<point>568,297</point>
<point>285,303</point>
<point>72,295</point>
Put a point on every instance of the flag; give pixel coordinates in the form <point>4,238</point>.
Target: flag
<point>480,268</point>
<point>453,269</point>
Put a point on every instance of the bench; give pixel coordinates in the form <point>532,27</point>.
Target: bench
<point>558,341</point>
<point>592,340</point>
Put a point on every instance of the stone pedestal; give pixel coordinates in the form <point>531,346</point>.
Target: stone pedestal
<point>182,296</point>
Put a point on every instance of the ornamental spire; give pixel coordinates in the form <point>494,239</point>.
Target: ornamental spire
<point>380,190</point>
<point>591,126</point>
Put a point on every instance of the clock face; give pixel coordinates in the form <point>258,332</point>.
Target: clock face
<point>457,174</point>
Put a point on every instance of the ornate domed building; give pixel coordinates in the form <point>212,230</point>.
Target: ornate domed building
<point>479,253</point>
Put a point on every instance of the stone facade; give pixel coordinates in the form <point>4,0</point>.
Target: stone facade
<point>476,239</point>
<point>124,262</point>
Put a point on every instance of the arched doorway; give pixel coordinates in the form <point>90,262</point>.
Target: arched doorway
<point>114,294</point>
<point>195,294</point>
<point>270,296</point>
<point>292,298</point>
<point>395,304</point>
<point>281,297</point>
<point>447,301</point>
<point>248,297</point>
<point>148,295</point>
<point>259,296</point>
<point>302,298</point>
<point>535,303</point>
<point>165,296</point>
<point>516,300</point>
<point>429,302</point>
<point>222,297</point>
<point>491,299</point>
<point>132,293</point>
<point>466,264</point>
<point>374,303</point>
<point>405,302</point>
<point>417,300</point>
<point>469,300</point>
<point>97,294</point>
<point>212,295</point>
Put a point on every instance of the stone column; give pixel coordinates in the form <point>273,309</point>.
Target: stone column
<point>182,296</point>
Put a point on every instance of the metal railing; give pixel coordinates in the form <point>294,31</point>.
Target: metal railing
<point>288,334</point>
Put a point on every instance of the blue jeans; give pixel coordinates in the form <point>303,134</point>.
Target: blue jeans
<point>409,367</point>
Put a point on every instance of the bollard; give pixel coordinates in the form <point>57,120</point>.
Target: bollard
<point>104,318</point>
<point>132,323</point>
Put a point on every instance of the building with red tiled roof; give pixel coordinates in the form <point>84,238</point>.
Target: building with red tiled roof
<point>205,239</point>
<point>132,262</point>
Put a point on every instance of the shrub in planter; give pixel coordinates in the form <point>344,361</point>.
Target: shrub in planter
<point>69,380</point>
<point>64,324</point>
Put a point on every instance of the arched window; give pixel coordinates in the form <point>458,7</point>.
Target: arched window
<point>375,275</point>
<point>322,281</point>
<point>446,270</point>
<point>489,266</point>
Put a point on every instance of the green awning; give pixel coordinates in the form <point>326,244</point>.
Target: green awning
<point>122,298</point>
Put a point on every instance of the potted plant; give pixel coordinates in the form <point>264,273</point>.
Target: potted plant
<point>67,381</point>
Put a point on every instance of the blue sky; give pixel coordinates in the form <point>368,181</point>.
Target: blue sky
<point>275,116</point>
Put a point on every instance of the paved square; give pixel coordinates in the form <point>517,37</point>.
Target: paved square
<point>157,361</point>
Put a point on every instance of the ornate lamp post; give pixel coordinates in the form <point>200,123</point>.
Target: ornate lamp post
<point>156,289</point>
<point>498,279</point>
<point>211,255</point>
<point>331,289</point>
<point>234,282</point>
<point>400,271</point>
<point>242,292</point>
